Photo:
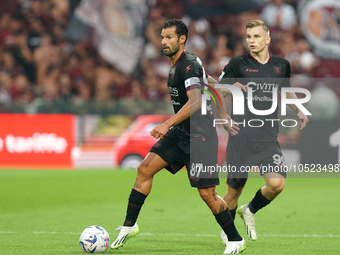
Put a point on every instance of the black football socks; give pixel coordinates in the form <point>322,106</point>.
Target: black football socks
<point>227,224</point>
<point>233,212</point>
<point>258,202</point>
<point>136,200</point>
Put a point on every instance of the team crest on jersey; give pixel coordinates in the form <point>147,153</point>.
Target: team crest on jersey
<point>157,145</point>
<point>277,69</point>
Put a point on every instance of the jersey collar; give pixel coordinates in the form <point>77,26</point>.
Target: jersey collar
<point>179,58</point>
<point>269,60</point>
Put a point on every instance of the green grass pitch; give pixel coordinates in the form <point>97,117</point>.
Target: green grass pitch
<point>44,212</point>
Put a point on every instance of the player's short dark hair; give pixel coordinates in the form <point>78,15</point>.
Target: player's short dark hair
<point>257,23</point>
<point>181,28</point>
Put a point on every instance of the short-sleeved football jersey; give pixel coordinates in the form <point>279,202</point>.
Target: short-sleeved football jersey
<point>188,73</point>
<point>262,78</point>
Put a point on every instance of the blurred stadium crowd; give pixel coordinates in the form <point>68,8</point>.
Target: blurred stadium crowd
<point>42,70</point>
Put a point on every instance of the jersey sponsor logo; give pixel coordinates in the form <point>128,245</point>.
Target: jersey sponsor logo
<point>277,69</point>
<point>187,68</point>
<point>175,102</point>
<point>264,87</point>
<point>248,70</point>
<point>173,91</point>
<point>261,99</point>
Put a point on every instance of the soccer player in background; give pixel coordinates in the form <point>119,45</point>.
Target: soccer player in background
<point>188,139</point>
<point>256,146</point>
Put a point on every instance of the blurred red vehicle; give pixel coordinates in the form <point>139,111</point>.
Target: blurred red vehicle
<point>135,143</point>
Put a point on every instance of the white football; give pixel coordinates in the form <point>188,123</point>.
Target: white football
<point>94,239</point>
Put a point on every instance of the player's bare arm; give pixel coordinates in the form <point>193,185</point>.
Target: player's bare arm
<point>224,92</point>
<point>231,126</point>
<point>302,117</point>
<point>227,92</point>
<point>241,86</point>
<point>193,104</point>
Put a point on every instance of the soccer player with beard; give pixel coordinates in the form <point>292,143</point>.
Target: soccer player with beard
<point>256,146</point>
<point>188,139</point>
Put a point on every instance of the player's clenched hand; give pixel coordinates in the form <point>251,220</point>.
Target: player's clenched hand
<point>231,127</point>
<point>241,86</point>
<point>303,119</point>
<point>159,131</point>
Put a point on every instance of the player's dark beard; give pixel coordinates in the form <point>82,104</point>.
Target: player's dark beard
<point>173,51</point>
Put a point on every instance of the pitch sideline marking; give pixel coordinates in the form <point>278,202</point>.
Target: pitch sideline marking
<point>181,234</point>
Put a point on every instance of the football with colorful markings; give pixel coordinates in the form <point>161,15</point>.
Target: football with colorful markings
<point>94,239</point>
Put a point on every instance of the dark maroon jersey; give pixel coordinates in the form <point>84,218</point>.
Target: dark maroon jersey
<point>188,73</point>
<point>262,78</point>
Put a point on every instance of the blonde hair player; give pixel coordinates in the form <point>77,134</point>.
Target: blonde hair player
<point>257,146</point>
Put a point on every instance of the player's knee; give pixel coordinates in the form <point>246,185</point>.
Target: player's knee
<point>277,187</point>
<point>234,193</point>
<point>280,187</point>
<point>205,194</point>
<point>142,170</point>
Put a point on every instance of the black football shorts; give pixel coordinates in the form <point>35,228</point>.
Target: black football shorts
<point>242,156</point>
<point>199,157</point>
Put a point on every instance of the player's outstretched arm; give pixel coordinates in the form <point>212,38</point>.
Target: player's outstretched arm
<point>302,117</point>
